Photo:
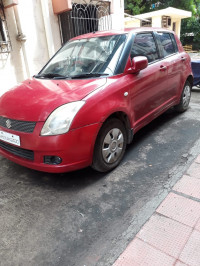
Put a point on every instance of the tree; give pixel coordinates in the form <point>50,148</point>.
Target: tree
<point>190,32</point>
<point>134,7</point>
<point>150,5</point>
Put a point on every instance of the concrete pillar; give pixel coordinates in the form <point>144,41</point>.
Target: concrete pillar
<point>157,22</point>
<point>117,13</point>
<point>48,28</point>
<point>178,27</point>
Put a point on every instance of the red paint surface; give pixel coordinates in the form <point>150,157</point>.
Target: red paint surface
<point>150,93</point>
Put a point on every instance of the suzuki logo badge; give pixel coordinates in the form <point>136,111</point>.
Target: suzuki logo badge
<point>8,123</point>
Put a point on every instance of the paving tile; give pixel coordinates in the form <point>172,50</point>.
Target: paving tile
<point>197,159</point>
<point>139,253</point>
<point>197,227</point>
<point>165,234</point>
<point>189,186</point>
<point>179,263</point>
<point>181,209</point>
<point>194,170</point>
<point>191,252</point>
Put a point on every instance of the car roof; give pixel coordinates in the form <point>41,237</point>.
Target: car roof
<point>117,32</point>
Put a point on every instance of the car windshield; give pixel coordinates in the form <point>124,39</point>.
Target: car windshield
<point>81,58</point>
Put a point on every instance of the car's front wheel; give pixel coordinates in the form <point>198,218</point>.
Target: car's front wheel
<point>185,98</point>
<point>110,145</point>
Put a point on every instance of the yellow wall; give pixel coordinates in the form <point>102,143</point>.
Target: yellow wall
<point>157,23</point>
<point>132,23</point>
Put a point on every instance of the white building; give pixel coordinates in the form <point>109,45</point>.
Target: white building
<point>31,31</point>
<point>169,18</point>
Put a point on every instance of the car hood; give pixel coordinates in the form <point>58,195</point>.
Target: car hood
<point>35,99</point>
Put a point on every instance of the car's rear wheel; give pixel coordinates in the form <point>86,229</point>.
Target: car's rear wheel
<point>185,98</point>
<point>110,145</point>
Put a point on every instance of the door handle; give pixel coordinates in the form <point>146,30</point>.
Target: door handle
<point>183,58</point>
<point>163,68</point>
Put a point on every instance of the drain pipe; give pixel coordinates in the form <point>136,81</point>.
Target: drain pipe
<point>48,28</point>
<point>22,39</point>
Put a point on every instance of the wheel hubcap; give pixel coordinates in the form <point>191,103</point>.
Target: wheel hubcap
<point>112,145</point>
<point>186,96</point>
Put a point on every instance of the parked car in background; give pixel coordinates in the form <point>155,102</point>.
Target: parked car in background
<point>86,104</point>
<point>195,63</point>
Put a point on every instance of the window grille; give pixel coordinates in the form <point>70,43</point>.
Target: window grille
<point>5,44</point>
<point>86,16</point>
<point>166,21</point>
<point>146,23</point>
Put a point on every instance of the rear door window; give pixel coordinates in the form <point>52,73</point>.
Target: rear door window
<point>167,45</point>
<point>144,45</point>
<point>174,42</point>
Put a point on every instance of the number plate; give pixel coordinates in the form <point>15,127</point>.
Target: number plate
<point>10,138</point>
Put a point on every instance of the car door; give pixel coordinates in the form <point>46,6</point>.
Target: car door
<point>148,86</point>
<point>172,59</point>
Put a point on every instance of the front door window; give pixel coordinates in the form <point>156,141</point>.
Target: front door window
<point>144,45</point>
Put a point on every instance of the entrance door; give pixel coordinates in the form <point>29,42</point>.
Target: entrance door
<point>174,26</point>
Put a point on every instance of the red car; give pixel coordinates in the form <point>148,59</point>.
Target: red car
<point>86,104</point>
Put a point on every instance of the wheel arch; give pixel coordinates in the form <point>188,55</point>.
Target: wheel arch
<point>123,117</point>
<point>190,79</point>
<point>104,150</point>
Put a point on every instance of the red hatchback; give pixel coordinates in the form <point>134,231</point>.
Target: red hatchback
<point>86,104</point>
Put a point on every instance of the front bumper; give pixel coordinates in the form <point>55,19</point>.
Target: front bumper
<point>75,148</point>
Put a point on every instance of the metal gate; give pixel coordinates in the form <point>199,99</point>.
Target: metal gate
<point>5,44</point>
<point>86,16</point>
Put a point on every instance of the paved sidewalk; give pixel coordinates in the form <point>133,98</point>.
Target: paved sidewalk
<point>172,234</point>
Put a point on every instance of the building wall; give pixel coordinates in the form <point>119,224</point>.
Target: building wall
<point>117,10</point>
<point>132,23</point>
<point>157,21</point>
<point>13,69</point>
<point>178,26</point>
<point>41,28</point>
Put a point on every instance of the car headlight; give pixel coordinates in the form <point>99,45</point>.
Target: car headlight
<point>61,118</point>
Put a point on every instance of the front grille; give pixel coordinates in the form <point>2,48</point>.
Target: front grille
<point>17,125</point>
<point>27,154</point>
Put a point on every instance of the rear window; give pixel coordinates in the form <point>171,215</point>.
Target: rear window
<point>174,42</point>
<point>144,45</point>
<point>166,43</point>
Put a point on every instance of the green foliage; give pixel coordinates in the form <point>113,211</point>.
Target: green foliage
<point>190,32</point>
<point>146,5</point>
<point>190,28</point>
<point>134,6</point>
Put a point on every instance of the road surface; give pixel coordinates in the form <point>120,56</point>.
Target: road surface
<point>88,218</point>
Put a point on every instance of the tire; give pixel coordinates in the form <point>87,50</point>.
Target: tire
<point>110,146</point>
<point>185,98</point>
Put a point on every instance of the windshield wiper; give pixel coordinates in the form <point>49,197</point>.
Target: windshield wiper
<point>58,76</point>
<point>88,75</point>
<point>51,75</point>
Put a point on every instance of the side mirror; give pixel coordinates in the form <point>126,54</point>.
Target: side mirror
<point>138,63</point>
